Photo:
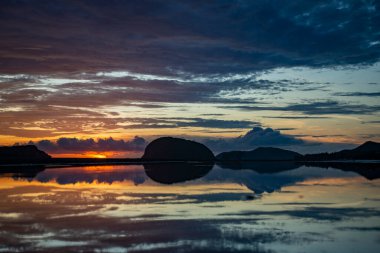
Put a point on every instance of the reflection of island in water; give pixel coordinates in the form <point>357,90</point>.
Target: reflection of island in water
<point>176,172</point>
<point>267,167</point>
<point>17,171</point>
<point>369,170</point>
<point>269,177</point>
<point>257,176</point>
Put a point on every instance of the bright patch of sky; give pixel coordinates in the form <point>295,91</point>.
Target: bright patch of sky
<point>178,76</point>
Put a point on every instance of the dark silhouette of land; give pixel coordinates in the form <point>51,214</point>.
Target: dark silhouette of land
<point>367,151</point>
<point>26,153</point>
<point>172,160</point>
<point>176,149</point>
<point>363,160</point>
<point>176,172</point>
<point>17,171</point>
<point>369,170</point>
<point>267,167</point>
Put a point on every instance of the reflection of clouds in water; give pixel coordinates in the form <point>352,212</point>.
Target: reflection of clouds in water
<point>317,213</point>
<point>195,235</point>
<point>361,228</point>
<point>81,174</point>
<point>262,182</point>
<point>257,182</point>
<point>210,214</point>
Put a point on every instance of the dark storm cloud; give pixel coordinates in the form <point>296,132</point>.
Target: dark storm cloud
<point>331,214</point>
<point>67,145</point>
<point>333,107</point>
<point>364,229</point>
<point>358,94</point>
<point>296,117</point>
<point>315,107</point>
<point>188,122</point>
<point>193,36</point>
<point>214,123</point>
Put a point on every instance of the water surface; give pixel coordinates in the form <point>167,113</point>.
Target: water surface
<point>249,208</point>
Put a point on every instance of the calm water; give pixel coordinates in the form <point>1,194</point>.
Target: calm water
<point>250,208</point>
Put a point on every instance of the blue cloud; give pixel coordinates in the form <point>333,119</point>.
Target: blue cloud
<point>254,138</point>
<point>192,36</point>
<point>67,145</point>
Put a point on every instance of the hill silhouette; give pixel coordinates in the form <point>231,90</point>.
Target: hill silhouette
<point>176,149</point>
<point>369,150</point>
<point>25,153</point>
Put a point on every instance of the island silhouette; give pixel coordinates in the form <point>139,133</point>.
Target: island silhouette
<point>178,149</point>
<point>23,154</point>
<point>171,160</point>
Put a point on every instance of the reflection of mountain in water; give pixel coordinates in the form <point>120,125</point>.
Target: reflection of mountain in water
<point>257,176</point>
<point>260,176</point>
<point>260,166</point>
<point>99,174</point>
<point>15,171</point>
<point>368,170</point>
<point>272,176</point>
<point>258,183</point>
<point>176,172</point>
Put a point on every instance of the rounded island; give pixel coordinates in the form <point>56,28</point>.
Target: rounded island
<point>176,149</point>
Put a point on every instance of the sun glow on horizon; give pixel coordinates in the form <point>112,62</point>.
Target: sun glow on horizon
<point>88,154</point>
<point>99,156</point>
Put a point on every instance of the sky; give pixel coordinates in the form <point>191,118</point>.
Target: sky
<point>103,78</point>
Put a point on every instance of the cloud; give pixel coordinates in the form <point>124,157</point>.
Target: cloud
<point>254,138</point>
<point>358,94</point>
<point>183,122</point>
<point>324,107</point>
<point>66,66</point>
<point>212,123</point>
<point>51,121</point>
<point>332,214</point>
<point>296,117</point>
<point>75,145</point>
<point>196,36</point>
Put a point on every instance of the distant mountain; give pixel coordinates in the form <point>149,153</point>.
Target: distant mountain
<point>367,151</point>
<point>260,154</point>
<point>176,149</point>
<point>368,147</point>
<point>20,154</point>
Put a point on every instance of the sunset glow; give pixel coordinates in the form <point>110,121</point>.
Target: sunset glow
<point>89,86</point>
<point>190,126</point>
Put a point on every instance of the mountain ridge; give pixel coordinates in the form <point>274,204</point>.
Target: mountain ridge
<point>176,149</point>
